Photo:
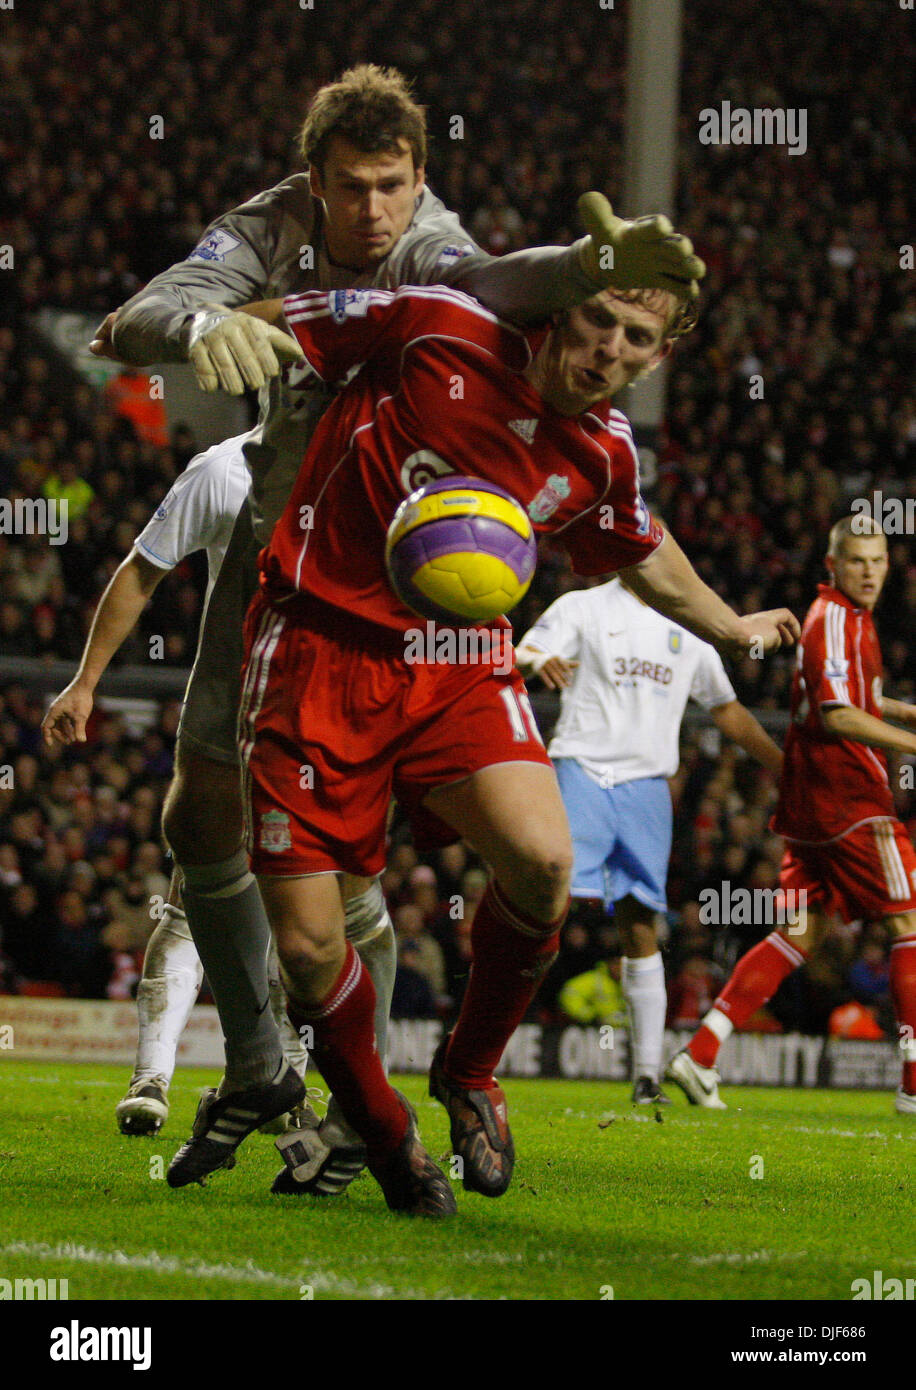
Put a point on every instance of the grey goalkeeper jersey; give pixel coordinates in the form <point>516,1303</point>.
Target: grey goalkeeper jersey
<point>273,246</point>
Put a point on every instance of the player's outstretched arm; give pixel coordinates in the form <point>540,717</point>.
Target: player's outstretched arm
<point>736,722</point>
<point>529,285</point>
<point>231,265</point>
<point>226,350</point>
<point>120,606</point>
<point>899,710</point>
<point>667,581</point>
<point>848,721</point>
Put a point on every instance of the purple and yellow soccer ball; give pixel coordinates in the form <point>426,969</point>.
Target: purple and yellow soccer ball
<point>460,548</point>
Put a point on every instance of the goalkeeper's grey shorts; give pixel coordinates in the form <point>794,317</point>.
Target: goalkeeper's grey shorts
<point>211,704</point>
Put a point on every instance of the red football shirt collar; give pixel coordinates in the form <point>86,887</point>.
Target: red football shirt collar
<point>836,595</point>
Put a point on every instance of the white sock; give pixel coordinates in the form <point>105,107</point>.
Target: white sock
<point>643,983</point>
<point>718,1023</point>
<point>172,974</point>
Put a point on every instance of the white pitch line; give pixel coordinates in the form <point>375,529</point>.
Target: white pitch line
<point>845,1133</point>
<point>475,1257</point>
<point>322,1281</point>
<point>56,1081</point>
<point>736,1257</point>
<point>775,1127</point>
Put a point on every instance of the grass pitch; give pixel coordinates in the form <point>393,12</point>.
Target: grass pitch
<point>606,1201</point>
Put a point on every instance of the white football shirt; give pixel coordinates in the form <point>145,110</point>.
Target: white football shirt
<point>199,510</point>
<point>620,717</point>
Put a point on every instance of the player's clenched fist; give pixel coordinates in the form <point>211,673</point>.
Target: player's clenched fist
<point>644,254</point>
<point>102,345</point>
<point>766,632</point>
<point>230,350</point>
<point>556,672</point>
<point>65,721</point>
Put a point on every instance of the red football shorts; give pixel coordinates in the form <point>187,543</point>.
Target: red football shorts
<point>334,722</point>
<point>870,872</point>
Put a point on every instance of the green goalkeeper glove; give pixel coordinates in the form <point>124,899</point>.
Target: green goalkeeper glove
<point>645,254</point>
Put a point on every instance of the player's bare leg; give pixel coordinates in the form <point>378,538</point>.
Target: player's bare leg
<point>515,938</point>
<point>753,982</point>
<point>902,926</point>
<point>172,975</point>
<point>643,985</point>
<point>331,995</point>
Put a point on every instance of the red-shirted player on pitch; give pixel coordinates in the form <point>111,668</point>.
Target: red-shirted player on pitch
<point>846,849</point>
<point>334,719</point>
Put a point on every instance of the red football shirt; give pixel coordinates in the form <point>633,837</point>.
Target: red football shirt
<point>439,390</point>
<point>830,785</point>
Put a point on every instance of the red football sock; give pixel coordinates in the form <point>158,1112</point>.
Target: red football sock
<point>345,1053</point>
<point>754,980</point>
<point>903,993</point>
<point>511,953</point>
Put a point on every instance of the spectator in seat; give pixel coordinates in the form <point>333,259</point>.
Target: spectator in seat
<point>410,927</point>
<point>412,997</point>
<point>869,976</point>
<point>596,996</point>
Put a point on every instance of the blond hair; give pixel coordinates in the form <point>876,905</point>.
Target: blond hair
<point>682,318</point>
<point>858,524</point>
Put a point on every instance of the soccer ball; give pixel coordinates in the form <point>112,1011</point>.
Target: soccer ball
<point>460,548</point>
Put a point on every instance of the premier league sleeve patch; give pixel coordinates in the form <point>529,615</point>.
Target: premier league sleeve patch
<point>215,247</point>
<point>456,253</point>
<point>348,304</point>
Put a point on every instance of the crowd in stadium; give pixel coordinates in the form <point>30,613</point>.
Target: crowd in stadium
<point>804,297</point>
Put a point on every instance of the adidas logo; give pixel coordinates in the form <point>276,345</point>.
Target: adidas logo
<point>231,1126</point>
<point>524,429</point>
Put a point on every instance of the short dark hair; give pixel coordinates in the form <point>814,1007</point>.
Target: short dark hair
<point>373,108</point>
